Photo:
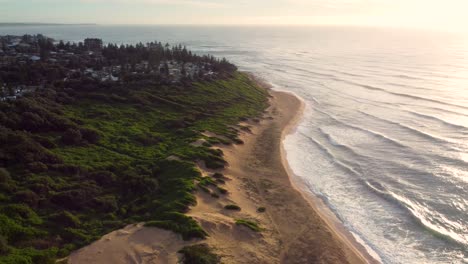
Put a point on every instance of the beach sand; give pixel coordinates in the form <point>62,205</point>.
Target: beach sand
<point>295,229</point>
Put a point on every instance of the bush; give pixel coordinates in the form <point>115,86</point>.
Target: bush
<point>45,142</point>
<point>176,124</point>
<point>215,163</point>
<point>72,137</point>
<point>141,184</point>
<point>40,188</point>
<point>218,175</point>
<point>90,135</point>
<point>4,175</point>
<point>203,188</point>
<point>179,223</point>
<point>207,144</point>
<point>217,152</point>
<point>104,178</point>
<point>147,139</point>
<point>106,203</point>
<point>238,141</point>
<point>16,232</point>
<point>214,195</point>
<point>28,197</point>
<point>205,181</point>
<point>261,209</point>
<point>67,169</point>
<point>250,224</point>
<point>21,213</point>
<point>37,167</point>
<point>220,181</point>
<point>4,249</point>
<point>76,199</point>
<point>76,236</point>
<point>232,207</point>
<point>199,254</point>
<point>66,219</point>
<point>222,190</point>
<point>32,122</point>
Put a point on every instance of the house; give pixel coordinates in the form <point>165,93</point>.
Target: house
<point>6,98</point>
<point>23,47</point>
<point>35,58</point>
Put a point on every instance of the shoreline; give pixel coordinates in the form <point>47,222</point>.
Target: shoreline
<point>358,251</point>
<point>330,219</point>
<point>294,230</point>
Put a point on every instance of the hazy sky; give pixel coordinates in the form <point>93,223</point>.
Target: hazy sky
<point>413,13</point>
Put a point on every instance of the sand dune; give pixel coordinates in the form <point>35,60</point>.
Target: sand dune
<point>294,231</point>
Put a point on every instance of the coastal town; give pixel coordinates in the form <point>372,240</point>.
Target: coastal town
<point>31,62</point>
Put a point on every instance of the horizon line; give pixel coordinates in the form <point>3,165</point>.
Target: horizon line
<point>226,25</point>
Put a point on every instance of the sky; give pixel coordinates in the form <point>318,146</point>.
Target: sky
<point>438,14</point>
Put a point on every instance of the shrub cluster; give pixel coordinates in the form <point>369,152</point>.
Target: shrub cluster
<point>250,224</point>
<point>199,254</point>
<point>232,207</point>
<point>81,160</point>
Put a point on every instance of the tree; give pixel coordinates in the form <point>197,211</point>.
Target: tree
<point>166,68</point>
<point>61,45</point>
<point>72,137</point>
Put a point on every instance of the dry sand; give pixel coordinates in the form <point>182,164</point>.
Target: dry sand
<point>295,229</point>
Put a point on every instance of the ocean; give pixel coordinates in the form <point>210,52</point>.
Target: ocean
<point>384,138</point>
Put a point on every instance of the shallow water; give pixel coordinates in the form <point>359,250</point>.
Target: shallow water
<point>384,137</point>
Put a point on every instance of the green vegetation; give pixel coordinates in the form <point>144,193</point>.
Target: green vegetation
<point>261,209</point>
<point>232,207</point>
<point>204,188</point>
<point>79,162</point>
<point>218,175</point>
<point>221,181</point>
<point>180,223</point>
<point>222,190</point>
<point>199,254</point>
<point>250,224</point>
<point>206,181</point>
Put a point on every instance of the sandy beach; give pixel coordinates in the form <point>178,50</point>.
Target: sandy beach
<point>295,229</point>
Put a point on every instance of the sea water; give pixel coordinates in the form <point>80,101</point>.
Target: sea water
<point>384,138</point>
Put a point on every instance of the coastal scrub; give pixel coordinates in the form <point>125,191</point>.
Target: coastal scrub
<point>199,254</point>
<point>250,224</point>
<point>77,163</point>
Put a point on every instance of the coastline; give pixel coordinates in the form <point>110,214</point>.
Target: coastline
<point>258,175</point>
<point>355,251</point>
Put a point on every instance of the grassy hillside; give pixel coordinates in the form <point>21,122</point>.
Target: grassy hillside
<point>79,162</point>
